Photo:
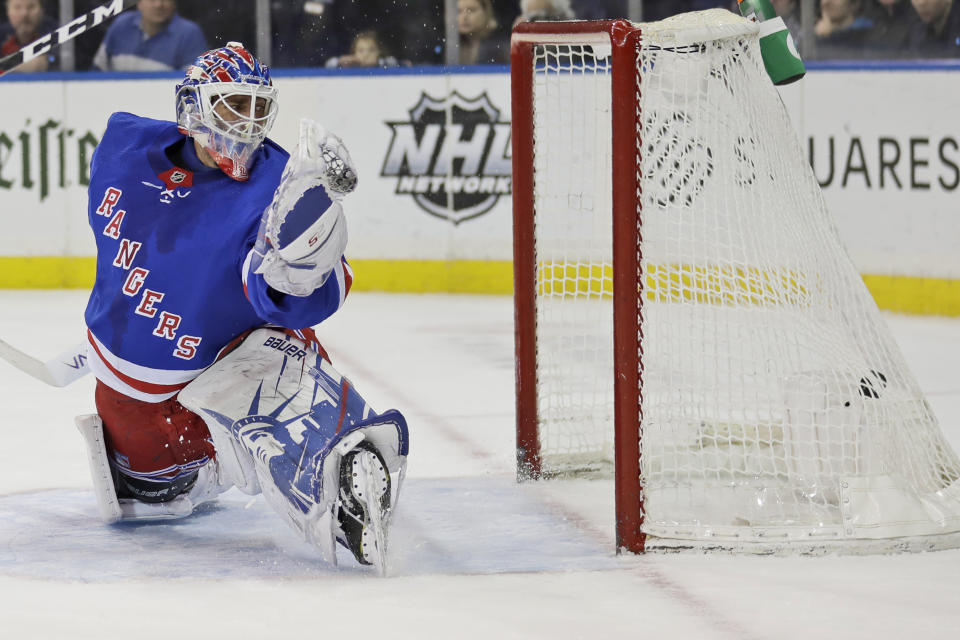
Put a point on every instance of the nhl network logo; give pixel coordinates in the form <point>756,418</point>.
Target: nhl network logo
<point>452,156</point>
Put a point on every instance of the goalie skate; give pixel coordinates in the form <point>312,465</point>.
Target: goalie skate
<point>364,505</point>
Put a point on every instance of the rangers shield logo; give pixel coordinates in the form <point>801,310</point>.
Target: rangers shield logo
<point>452,156</point>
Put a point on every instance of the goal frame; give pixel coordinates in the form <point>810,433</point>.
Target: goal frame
<point>624,38</point>
<point>758,402</point>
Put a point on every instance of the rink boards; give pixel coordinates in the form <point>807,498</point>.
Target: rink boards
<point>433,211</point>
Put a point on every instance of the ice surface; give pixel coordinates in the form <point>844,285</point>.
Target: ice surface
<point>472,554</point>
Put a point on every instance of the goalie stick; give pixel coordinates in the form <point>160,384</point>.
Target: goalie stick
<point>69,366</point>
<point>69,31</point>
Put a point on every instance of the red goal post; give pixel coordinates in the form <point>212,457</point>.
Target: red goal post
<point>624,37</point>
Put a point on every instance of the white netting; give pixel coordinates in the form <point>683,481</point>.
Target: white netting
<point>775,407</point>
<point>572,192</point>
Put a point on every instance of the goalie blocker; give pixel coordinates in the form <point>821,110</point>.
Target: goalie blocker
<point>286,424</point>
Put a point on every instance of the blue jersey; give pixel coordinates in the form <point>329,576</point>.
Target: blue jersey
<point>126,47</point>
<point>174,245</point>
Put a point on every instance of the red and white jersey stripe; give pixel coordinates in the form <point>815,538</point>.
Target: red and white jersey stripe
<point>136,381</point>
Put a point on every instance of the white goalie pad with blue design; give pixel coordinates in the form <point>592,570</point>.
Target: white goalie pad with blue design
<point>281,418</point>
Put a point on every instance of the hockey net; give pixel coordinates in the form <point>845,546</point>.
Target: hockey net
<point>687,317</point>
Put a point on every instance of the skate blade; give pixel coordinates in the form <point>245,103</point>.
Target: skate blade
<point>374,487</point>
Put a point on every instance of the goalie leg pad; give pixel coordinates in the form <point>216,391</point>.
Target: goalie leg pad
<point>91,428</point>
<point>205,487</point>
<point>292,418</point>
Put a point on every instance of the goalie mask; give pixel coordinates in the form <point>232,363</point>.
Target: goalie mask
<point>227,103</point>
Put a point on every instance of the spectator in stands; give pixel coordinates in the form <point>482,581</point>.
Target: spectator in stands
<point>599,9</point>
<point>842,31</point>
<point>789,10</point>
<point>223,22</point>
<point>365,51</point>
<point>88,43</point>
<point>412,31</point>
<point>544,10</point>
<point>152,38</point>
<point>476,23</point>
<point>659,9</point>
<point>27,22</point>
<point>938,34</point>
<point>305,34</point>
<point>703,5</point>
<point>893,21</point>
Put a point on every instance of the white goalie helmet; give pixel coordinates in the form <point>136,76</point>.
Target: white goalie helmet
<point>228,104</point>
